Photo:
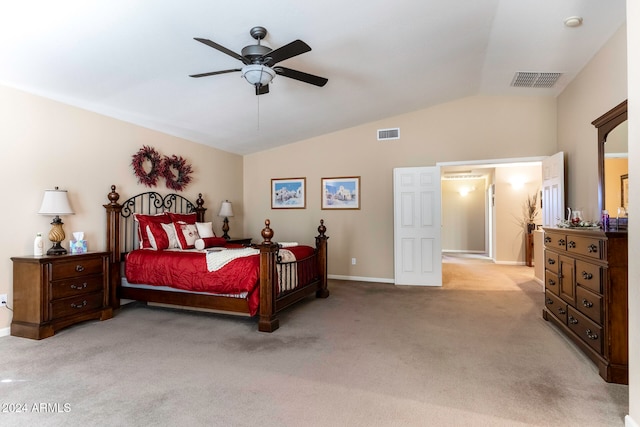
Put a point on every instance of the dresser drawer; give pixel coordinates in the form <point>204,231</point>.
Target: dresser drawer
<point>76,305</point>
<point>589,304</point>
<point>76,286</point>
<point>75,268</point>
<point>556,306</point>
<point>555,241</point>
<point>551,282</point>
<point>588,246</point>
<point>589,276</point>
<point>551,261</point>
<point>587,330</point>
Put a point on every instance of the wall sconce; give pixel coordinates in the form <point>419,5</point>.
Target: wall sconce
<point>55,203</point>
<point>225,211</point>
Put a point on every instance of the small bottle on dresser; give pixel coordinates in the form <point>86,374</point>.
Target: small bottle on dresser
<point>605,220</point>
<point>38,245</point>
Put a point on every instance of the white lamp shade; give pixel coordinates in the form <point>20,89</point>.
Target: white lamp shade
<point>258,74</point>
<point>225,209</point>
<point>55,202</point>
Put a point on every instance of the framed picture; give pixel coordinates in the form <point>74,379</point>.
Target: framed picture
<point>288,193</point>
<point>624,191</point>
<point>341,193</point>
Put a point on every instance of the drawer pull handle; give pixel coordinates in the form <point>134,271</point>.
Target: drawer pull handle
<point>562,311</point>
<point>591,335</point>
<point>562,242</point>
<point>74,305</point>
<point>551,261</point>
<point>573,320</point>
<point>587,276</point>
<point>549,301</point>
<point>552,282</point>
<point>586,303</point>
<point>593,249</point>
<point>79,268</point>
<point>547,239</point>
<point>571,244</point>
<point>83,286</point>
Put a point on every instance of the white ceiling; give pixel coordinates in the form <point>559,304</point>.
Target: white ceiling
<point>131,59</point>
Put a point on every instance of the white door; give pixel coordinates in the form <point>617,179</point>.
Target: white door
<point>553,190</point>
<point>416,223</point>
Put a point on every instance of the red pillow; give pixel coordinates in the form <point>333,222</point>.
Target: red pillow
<point>189,218</point>
<point>157,236</point>
<point>211,242</point>
<point>143,221</point>
<point>187,234</point>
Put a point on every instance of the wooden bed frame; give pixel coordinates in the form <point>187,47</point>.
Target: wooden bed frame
<point>122,237</point>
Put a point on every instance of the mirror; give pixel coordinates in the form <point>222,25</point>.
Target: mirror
<point>616,166</point>
<point>606,125</point>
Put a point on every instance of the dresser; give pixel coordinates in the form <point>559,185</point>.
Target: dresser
<point>53,292</point>
<point>586,294</point>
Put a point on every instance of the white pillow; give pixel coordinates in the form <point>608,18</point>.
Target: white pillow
<point>171,234</point>
<point>205,229</point>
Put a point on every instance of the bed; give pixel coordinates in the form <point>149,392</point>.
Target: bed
<point>266,279</point>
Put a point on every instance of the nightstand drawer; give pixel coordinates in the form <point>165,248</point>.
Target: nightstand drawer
<point>75,305</point>
<point>76,286</point>
<point>75,268</point>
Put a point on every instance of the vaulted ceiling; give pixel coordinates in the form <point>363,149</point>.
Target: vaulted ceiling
<point>131,59</point>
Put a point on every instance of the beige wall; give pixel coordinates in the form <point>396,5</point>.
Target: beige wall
<point>475,128</point>
<point>46,144</point>
<point>633,55</point>
<point>464,217</point>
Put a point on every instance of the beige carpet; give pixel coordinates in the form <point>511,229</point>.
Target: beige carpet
<point>475,353</point>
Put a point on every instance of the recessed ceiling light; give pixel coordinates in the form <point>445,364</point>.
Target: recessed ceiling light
<point>573,21</point>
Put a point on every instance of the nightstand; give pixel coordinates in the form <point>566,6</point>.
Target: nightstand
<point>53,292</point>
<point>240,240</point>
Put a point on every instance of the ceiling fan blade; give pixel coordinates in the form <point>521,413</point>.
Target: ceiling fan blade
<point>287,51</point>
<point>262,89</point>
<point>223,49</point>
<point>299,75</point>
<point>213,73</point>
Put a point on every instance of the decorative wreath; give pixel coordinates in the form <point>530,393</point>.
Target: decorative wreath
<point>150,179</point>
<point>184,172</point>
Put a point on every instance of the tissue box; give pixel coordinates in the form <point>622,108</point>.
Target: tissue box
<point>78,246</point>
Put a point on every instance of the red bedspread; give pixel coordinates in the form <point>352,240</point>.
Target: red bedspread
<point>188,271</point>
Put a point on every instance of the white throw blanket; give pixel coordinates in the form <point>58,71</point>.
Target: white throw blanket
<point>218,259</point>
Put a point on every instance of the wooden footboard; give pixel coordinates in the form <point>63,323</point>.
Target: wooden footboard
<point>278,289</point>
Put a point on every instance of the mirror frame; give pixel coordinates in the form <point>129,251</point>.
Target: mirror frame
<point>605,124</point>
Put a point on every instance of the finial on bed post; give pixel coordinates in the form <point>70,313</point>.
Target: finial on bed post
<point>321,228</point>
<point>113,196</point>
<point>199,208</point>
<point>267,232</point>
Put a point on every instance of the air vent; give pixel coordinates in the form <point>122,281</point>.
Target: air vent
<point>538,80</point>
<point>384,134</point>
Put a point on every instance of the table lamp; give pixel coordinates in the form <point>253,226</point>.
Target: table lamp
<point>55,203</point>
<point>225,211</point>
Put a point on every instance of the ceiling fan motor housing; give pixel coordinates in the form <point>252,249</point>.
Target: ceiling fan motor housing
<point>254,52</point>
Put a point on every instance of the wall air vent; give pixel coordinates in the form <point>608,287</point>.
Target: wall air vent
<point>536,80</point>
<point>385,134</point>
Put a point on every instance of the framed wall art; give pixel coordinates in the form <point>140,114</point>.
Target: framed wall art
<point>288,193</point>
<point>624,191</point>
<point>341,193</point>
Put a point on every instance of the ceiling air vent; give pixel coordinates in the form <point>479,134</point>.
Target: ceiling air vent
<point>384,134</point>
<point>528,79</point>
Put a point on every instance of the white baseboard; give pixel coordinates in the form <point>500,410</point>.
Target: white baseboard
<point>360,279</point>
<point>5,332</point>
<point>510,262</point>
<point>628,422</point>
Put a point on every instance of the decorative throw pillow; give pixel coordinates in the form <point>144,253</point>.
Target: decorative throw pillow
<point>189,218</point>
<point>143,221</point>
<point>170,231</point>
<point>187,234</point>
<point>205,229</point>
<point>157,236</point>
<point>210,242</point>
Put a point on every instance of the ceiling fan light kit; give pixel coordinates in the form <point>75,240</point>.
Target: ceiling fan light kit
<point>259,62</point>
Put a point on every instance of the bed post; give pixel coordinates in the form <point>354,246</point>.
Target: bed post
<point>321,245</point>
<point>199,209</point>
<point>113,244</point>
<point>268,321</point>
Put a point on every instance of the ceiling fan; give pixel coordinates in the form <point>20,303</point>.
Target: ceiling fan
<point>259,62</point>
